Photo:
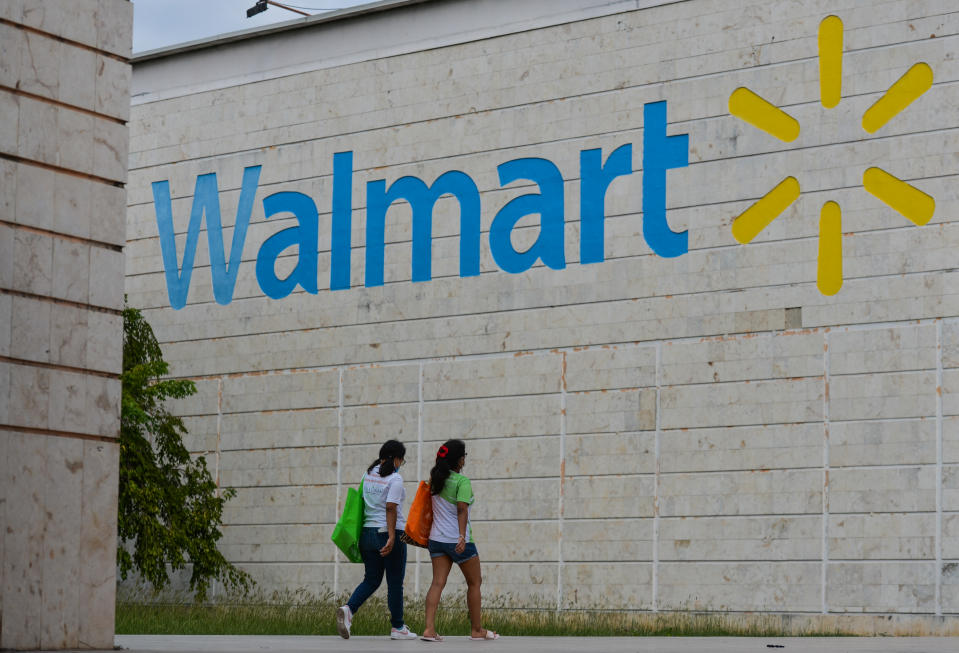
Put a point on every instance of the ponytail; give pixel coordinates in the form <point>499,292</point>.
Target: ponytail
<point>446,458</point>
<point>391,449</point>
<point>386,467</point>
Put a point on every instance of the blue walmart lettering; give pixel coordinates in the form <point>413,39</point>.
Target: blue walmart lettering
<point>549,204</point>
<point>422,198</point>
<point>660,154</point>
<point>206,201</point>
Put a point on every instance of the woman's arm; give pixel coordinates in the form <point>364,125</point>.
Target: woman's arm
<point>390,529</point>
<point>462,517</point>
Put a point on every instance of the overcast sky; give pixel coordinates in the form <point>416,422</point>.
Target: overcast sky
<point>159,23</point>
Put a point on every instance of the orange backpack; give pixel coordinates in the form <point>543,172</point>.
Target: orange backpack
<point>420,519</point>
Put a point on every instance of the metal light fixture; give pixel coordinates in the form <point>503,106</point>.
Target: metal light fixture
<point>261,6</point>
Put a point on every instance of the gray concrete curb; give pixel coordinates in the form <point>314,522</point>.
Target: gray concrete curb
<point>298,644</point>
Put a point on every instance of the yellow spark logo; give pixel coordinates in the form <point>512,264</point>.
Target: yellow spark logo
<point>908,200</point>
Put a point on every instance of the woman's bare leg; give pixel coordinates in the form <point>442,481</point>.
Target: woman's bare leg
<point>441,571</point>
<point>474,578</point>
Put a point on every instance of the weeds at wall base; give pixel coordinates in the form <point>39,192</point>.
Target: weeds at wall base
<point>282,615</point>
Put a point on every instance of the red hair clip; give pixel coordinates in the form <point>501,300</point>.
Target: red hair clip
<point>443,451</point>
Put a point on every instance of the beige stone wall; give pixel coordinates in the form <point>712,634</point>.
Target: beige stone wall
<point>64,98</point>
<point>706,432</point>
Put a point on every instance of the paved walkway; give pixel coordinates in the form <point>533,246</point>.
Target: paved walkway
<point>259,644</point>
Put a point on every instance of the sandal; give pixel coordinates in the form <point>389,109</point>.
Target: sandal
<point>489,636</point>
<point>433,638</point>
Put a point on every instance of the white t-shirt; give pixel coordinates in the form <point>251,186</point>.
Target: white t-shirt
<point>377,492</point>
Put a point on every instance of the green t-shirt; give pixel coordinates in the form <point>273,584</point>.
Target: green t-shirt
<point>445,524</point>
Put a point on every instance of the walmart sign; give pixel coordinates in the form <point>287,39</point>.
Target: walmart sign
<point>660,153</point>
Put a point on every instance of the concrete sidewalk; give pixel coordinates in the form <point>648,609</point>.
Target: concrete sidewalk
<point>251,644</point>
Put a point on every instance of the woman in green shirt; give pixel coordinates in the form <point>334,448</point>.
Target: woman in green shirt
<point>451,539</point>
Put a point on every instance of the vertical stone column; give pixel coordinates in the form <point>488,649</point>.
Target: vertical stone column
<point>64,103</point>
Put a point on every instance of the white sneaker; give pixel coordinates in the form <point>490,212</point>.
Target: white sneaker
<point>402,633</point>
<point>344,619</point>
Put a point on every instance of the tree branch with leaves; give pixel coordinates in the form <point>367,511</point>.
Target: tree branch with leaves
<point>170,509</point>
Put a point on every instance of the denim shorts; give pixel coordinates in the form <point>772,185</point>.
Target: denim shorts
<point>438,549</point>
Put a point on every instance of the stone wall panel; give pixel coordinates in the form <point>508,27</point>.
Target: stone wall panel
<point>278,467</point>
<point>710,423</point>
<point>610,453</point>
<point>592,585</point>
<point>60,587</point>
<point>98,573</point>
<point>887,396</point>
<point>611,412</point>
<point>510,541</point>
<point>61,284</point>
<point>367,425</point>
<point>733,404</point>
<point>899,349</point>
<point>25,474</point>
<point>301,574</point>
<point>609,496</point>
<point>740,586</point>
<point>877,536</point>
<point>950,487</point>
<point>271,543</point>
<point>611,368</point>
<point>283,504</point>
<point>875,442</point>
<point>380,385</point>
<point>279,429</point>
<point>950,588</point>
<point>495,417</point>
<point>736,448</point>
<point>855,490</point>
<point>492,377</point>
<point>609,540</point>
<point>719,360</point>
<point>281,391</point>
<point>740,538</point>
<point>496,499</point>
<point>201,434</point>
<point>760,492</point>
<point>877,587</point>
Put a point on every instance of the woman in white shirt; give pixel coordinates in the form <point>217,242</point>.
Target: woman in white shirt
<point>451,539</point>
<point>382,551</point>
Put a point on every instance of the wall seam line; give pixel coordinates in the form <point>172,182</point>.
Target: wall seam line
<point>72,369</point>
<point>561,507</point>
<point>583,96</point>
<point>624,300</point>
<point>419,470</point>
<point>33,430</point>
<point>116,183</point>
<point>825,474</point>
<point>63,236</point>
<point>939,390</point>
<point>339,475</point>
<point>219,421</point>
<point>63,39</point>
<point>545,350</point>
<point>657,477</point>
<point>62,105</point>
<point>216,453</point>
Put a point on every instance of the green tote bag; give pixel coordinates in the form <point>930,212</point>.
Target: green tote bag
<point>346,534</point>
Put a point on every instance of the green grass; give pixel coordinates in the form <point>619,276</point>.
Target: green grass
<point>299,615</point>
